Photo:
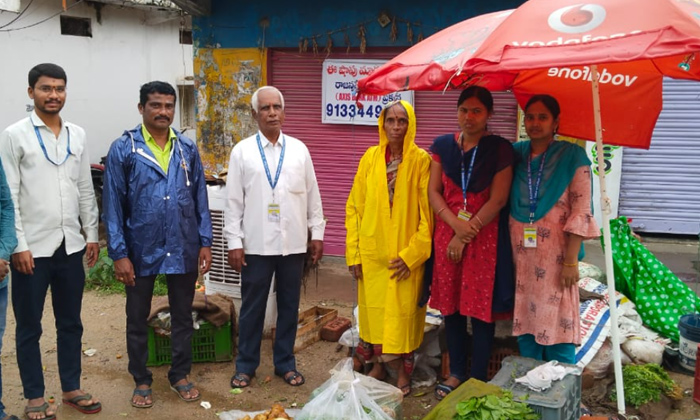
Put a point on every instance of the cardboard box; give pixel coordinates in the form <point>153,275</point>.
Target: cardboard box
<point>311,321</point>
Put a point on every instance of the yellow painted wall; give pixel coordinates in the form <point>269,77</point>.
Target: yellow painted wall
<point>225,81</point>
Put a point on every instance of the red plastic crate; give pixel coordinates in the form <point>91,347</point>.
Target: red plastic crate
<point>497,356</point>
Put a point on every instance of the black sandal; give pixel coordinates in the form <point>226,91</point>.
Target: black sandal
<point>243,380</point>
<point>291,376</point>
<point>443,390</point>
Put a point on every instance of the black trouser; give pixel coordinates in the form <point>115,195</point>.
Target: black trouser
<point>256,278</point>
<point>458,343</point>
<point>66,276</point>
<point>138,307</point>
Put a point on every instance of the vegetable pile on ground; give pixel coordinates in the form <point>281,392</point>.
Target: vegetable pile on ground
<point>646,383</point>
<point>275,413</point>
<point>494,407</point>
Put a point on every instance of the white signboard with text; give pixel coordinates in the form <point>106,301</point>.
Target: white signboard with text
<point>340,101</point>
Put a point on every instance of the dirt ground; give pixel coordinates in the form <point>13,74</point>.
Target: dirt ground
<point>105,374</point>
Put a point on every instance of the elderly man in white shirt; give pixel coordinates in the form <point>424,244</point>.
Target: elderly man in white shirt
<point>273,201</point>
<point>48,172</point>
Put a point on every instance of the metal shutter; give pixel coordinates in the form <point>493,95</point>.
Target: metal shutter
<point>660,187</point>
<point>336,149</point>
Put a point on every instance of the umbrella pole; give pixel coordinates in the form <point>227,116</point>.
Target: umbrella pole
<point>607,242</point>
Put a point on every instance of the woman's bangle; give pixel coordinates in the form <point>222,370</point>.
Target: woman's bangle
<point>440,211</point>
<point>481,224</point>
<point>570,265</point>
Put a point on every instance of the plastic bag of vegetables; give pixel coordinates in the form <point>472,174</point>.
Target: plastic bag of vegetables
<point>348,395</point>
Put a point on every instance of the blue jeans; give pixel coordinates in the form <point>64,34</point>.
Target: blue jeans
<point>563,352</point>
<point>3,320</point>
<point>66,276</point>
<point>256,278</point>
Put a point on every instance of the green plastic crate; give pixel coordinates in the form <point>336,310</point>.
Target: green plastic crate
<point>209,344</point>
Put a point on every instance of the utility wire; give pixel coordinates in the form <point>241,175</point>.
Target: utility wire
<point>43,20</point>
<point>18,16</point>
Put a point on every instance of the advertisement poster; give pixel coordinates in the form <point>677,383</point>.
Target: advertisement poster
<point>340,101</point>
<point>612,157</point>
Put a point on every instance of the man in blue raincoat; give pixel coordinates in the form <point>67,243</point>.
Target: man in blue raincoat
<point>158,222</point>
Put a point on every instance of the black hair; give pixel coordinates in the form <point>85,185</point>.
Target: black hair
<point>46,69</point>
<point>548,101</point>
<point>155,87</point>
<point>478,92</point>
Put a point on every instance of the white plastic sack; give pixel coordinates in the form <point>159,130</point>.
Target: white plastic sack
<point>595,319</point>
<point>350,395</point>
<point>351,337</point>
<point>600,364</point>
<point>643,351</point>
<point>423,374</point>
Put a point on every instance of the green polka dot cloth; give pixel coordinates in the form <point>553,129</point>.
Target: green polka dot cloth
<point>660,296</point>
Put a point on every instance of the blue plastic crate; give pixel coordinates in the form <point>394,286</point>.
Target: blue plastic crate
<point>560,402</point>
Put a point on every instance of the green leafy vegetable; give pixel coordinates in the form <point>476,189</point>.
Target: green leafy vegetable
<point>101,278</point>
<point>645,383</point>
<point>492,407</point>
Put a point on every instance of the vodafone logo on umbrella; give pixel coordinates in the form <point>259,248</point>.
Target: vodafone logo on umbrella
<point>577,19</point>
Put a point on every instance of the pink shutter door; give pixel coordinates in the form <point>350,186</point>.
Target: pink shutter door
<point>336,149</point>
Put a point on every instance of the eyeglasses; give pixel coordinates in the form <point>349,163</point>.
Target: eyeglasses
<point>49,89</point>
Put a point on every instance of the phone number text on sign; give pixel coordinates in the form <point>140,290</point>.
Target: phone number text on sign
<point>341,104</point>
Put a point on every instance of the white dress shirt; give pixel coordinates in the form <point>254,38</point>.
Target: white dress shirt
<point>50,200</point>
<point>246,221</point>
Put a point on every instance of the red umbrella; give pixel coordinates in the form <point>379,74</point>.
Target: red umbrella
<point>437,61</point>
<point>549,45</point>
<point>618,50</point>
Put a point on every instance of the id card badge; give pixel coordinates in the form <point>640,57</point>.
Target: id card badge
<point>464,215</point>
<point>273,213</point>
<point>530,239</point>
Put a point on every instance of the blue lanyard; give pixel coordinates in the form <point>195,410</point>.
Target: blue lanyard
<point>533,195</point>
<point>43,147</point>
<point>465,182</point>
<point>273,184</point>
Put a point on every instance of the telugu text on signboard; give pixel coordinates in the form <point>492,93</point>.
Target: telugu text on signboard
<point>340,101</point>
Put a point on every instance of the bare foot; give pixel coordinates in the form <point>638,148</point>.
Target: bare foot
<point>404,382</point>
<point>378,371</point>
<point>357,364</point>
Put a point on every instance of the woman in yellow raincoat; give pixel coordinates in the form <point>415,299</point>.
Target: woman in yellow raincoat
<point>389,232</point>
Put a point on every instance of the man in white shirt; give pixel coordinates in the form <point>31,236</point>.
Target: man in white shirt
<point>273,201</point>
<point>48,171</point>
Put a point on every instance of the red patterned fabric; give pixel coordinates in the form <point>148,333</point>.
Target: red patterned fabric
<point>368,352</point>
<point>465,287</point>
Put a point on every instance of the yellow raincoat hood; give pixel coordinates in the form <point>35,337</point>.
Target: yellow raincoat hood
<point>378,233</point>
<point>409,141</point>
